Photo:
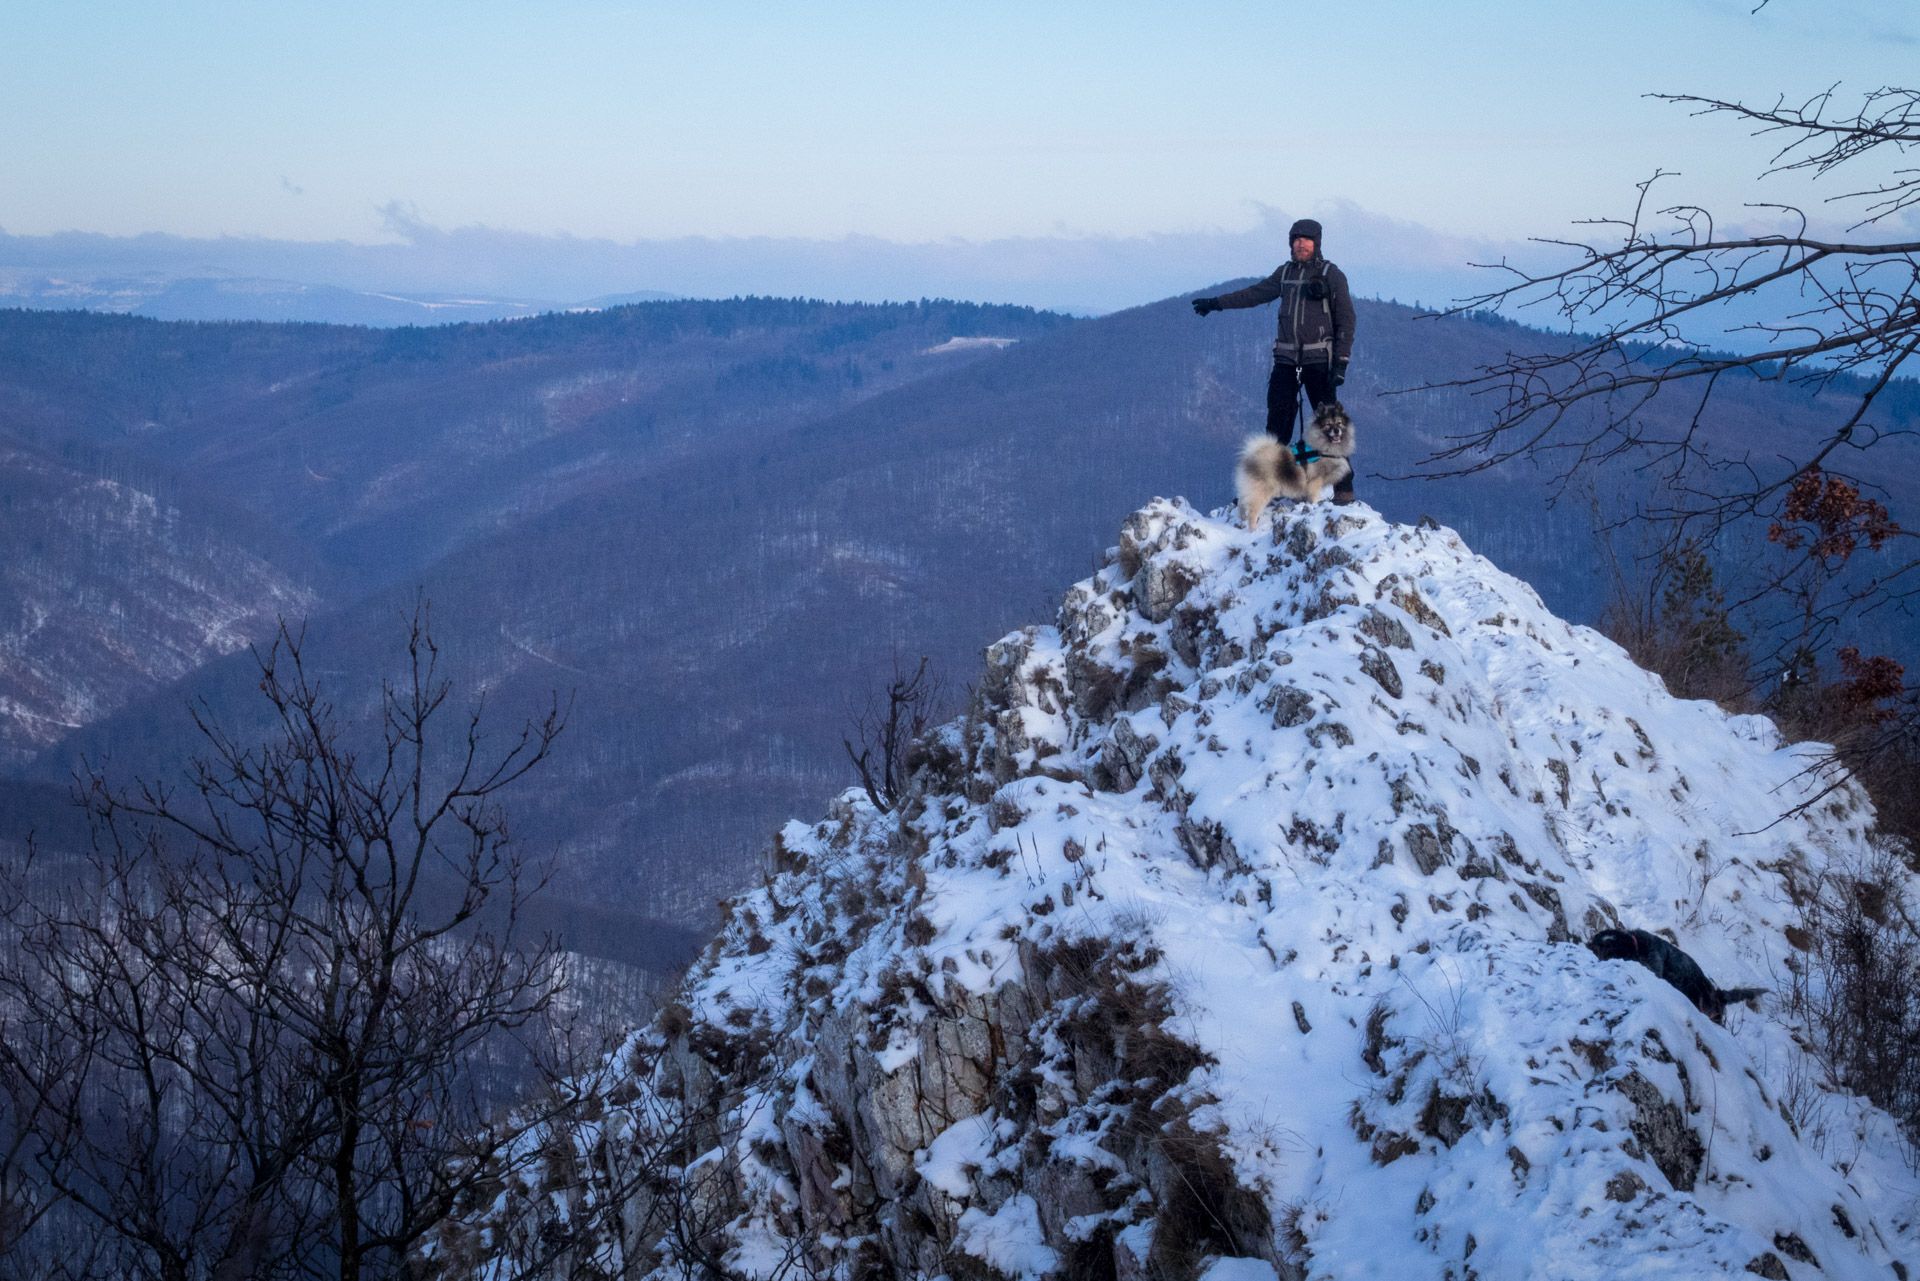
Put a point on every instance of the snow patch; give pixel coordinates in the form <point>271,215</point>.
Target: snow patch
<point>969,344</point>
<point>1009,1240</point>
<point>963,1147</point>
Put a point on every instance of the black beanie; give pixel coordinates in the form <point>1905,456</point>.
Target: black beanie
<point>1306,227</point>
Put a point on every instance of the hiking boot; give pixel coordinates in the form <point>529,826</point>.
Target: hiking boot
<point>1341,500</point>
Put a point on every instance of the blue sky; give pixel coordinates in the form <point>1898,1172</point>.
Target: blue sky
<point>909,122</point>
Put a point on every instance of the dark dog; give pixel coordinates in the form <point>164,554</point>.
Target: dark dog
<point>1270,470</point>
<point>1673,965</point>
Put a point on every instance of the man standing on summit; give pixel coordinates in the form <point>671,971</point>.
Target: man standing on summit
<point>1316,333</point>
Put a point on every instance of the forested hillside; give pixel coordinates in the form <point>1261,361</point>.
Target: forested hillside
<point>713,525</point>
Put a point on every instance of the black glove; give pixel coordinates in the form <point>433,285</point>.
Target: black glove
<point>1339,372</point>
<point>1201,306</point>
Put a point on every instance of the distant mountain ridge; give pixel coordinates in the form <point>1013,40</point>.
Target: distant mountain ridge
<point>223,296</point>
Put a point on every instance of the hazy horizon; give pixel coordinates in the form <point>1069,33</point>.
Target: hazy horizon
<point>1085,275</point>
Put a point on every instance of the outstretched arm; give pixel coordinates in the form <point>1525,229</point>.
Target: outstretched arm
<point>1253,295</point>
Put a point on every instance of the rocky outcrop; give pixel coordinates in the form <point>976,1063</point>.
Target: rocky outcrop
<point>1232,929</point>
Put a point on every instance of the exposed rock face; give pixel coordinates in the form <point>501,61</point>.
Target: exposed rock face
<point>1235,923</point>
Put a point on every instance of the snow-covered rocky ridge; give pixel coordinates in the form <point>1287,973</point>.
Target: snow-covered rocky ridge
<point>1236,932</point>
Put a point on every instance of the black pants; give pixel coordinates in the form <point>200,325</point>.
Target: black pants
<point>1283,403</point>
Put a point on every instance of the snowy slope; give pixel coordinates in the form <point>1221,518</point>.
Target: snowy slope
<point>1238,928</point>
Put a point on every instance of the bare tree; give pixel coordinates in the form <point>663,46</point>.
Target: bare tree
<point>1853,984</point>
<point>1837,314</point>
<point>640,1176</point>
<point>1840,306</point>
<point>887,732</point>
<point>1671,615</point>
<point>261,1035</point>
<point>165,1105</point>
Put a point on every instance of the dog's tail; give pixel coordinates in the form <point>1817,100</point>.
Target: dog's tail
<point>1260,451</point>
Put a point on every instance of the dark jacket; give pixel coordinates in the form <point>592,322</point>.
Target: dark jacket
<point>1312,331</point>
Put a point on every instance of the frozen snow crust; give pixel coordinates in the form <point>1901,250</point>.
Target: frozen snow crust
<point>1237,929</point>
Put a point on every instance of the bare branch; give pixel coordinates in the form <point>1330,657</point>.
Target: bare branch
<point>887,736</point>
<point>1818,143</point>
<point>258,1035</point>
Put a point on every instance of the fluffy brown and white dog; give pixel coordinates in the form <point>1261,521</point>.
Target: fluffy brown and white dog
<point>1270,470</point>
